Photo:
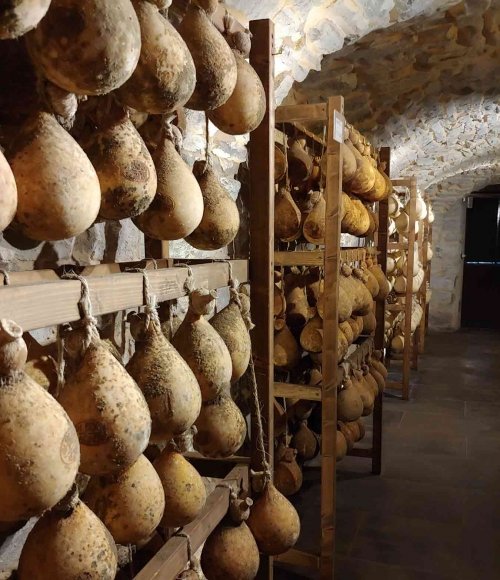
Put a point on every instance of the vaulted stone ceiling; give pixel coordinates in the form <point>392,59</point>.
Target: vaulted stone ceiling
<point>418,75</point>
<point>428,86</point>
<point>452,54</point>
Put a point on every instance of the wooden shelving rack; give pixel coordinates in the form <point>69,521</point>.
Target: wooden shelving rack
<point>404,302</point>
<point>40,299</point>
<point>425,238</point>
<point>331,115</point>
<point>292,120</point>
<point>381,239</point>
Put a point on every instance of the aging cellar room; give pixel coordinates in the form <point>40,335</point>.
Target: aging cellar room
<point>249,288</point>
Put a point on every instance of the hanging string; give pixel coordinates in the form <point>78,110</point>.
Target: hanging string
<point>61,361</point>
<point>287,174</point>
<point>172,133</point>
<point>265,474</point>
<point>151,305</point>
<point>189,283</point>
<point>207,140</point>
<point>6,277</point>
<point>234,294</point>
<point>170,320</point>
<point>150,301</point>
<point>85,306</point>
<point>181,534</point>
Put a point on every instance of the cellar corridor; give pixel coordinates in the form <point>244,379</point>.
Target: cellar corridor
<point>434,512</point>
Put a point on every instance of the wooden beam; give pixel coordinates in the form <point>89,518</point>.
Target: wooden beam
<point>172,558</point>
<point>361,452</point>
<point>290,113</point>
<point>333,196</point>
<point>396,385</point>
<point>261,162</point>
<point>305,258</point>
<point>402,182</point>
<point>409,289</point>
<point>300,558</point>
<point>43,304</point>
<point>382,239</point>
<point>293,391</point>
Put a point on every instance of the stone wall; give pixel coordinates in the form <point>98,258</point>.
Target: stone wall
<point>447,265</point>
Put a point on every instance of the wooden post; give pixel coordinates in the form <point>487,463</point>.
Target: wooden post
<point>423,289</point>
<point>333,192</point>
<point>409,290</point>
<point>429,269</point>
<point>261,162</point>
<point>383,219</point>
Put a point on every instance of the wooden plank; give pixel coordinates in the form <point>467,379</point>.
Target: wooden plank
<point>395,307</point>
<point>361,452</point>
<point>382,242</point>
<point>353,254</point>
<point>300,558</point>
<point>423,289</point>
<point>409,290</point>
<point>50,303</point>
<point>333,193</point>
<point>314,141</point>
<point>289,113</point>
<point>31,277</point>
<point>397,385</point>
<point>172,558</point>
<point>261,163</point>
<point>196,456</point>
<point>429,271</point>
<point>402,182</point>
<point>397,246</point>
<point>301,258</point>
<point>293,391</point>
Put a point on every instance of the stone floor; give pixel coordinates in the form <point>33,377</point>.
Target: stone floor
<point>434,513</point>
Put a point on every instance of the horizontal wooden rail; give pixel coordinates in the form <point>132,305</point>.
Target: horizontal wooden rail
<point>311,258</point>
<point>395,307</point>
<point>40,304</point>
<point>403,182</point>
<point>171,559</point>
<point>397,246</point>
<point>289,113</point>
<point>394,385</point>
<point>361,452</point>
<point>239,459</point>
<point>295,557</point>
<point>353,254</point>
<point>294,391</point>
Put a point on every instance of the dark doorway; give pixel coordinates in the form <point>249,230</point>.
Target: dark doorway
<point>481,285</point>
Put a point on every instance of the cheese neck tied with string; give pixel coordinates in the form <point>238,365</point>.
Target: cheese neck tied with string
<point>150,304</point>
<point>189,282</point>
<point>265,475</point>
<point>234,294</point>
<point>6,278</point>
<point>182,534</point>
<point>88,321</point>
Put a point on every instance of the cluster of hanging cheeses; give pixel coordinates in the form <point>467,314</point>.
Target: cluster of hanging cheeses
<point>95,432</point>
<point>99,142</point>
<point>300,206</point>
<point>397,267</point>
<point>299,296</point>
